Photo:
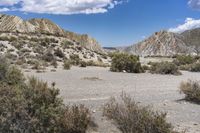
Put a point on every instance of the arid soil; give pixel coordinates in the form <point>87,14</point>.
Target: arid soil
<point>94,86</point>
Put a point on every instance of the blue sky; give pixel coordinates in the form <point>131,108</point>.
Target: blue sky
<point>111,22</point>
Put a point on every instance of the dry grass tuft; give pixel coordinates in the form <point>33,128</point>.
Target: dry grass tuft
<point>191,89</point>
<point>130,117</point>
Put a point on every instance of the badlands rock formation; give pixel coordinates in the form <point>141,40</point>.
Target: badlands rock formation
<point>165,43</point>
<point>43,26</point>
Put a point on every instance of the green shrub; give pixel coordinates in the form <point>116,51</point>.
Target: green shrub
<point>14,76</point>
<point>184,60</point>
<point>75,59</point>
<point>36,65</point>
<point>66,44</point>
<point>34,107</point>
<point>10,74</point>
<point>3,68</point>
<point>130,117</point>
<point>83,64</point>
<point>59,53</point>
<point>185,67</point>
<point>164,68</point>
<point>145,67</point>
<point>191,89</point>
<point>195,67</point>
<point>54,63</point>
<point>48,56</point>
<point>124,62</point>
<point>67,65</point>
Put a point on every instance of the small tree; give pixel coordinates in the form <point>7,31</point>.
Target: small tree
<point>125,62</point>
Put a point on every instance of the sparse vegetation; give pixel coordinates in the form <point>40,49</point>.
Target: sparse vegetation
<point>124,62</point>
<point>164,68</point>
<point>195,67</point>
<point>67,65</point>
<point>58,52</point>
<point>33,106</point>
<point>130,117</point>
<point>91,78</point>
<point>54,63</point>
<point>184,60</point>
<point>75,59</point>
<point>83,64</point>
<point>48,56</point>
<point>191,89</point>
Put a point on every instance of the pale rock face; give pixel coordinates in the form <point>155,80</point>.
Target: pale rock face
<point>43,26</point>
<point>161,43</point>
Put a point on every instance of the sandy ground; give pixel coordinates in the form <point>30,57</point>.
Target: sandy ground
<point>159,91</point>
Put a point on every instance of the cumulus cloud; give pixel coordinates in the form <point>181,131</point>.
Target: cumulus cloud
<point>8,2</point>
<point>4,9</point>
<point>190,23</point>
<point>195,4</point>
<point>60,6</point>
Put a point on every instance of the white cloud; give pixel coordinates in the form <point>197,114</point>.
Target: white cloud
<point>190,23</point>
<point>61,6</point>
<point>4,9</point>
<point>195,4</point>
<point>8,2</point>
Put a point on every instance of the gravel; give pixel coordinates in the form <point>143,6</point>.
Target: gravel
<point>93,86</point>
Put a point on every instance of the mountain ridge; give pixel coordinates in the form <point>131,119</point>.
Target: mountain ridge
<point>165,43</point>
<point>10,23</point>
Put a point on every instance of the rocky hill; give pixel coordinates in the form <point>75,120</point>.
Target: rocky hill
<point>43,26</point>
<point>40,40</point>
<point>165,43</point>
<point>192,39</point>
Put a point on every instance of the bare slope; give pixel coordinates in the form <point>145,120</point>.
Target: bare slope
<point>165,43</point>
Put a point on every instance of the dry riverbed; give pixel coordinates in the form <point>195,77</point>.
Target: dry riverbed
<point>93,86</point>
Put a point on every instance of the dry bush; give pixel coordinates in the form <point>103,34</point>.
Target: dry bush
<point>14,76</point>
<point>83,64</point>
<point>130,117</point>
<point>191,89</point>
<point>184,60</point>
<point>76,119</point>
<point>54,63</point>
<point>58,52</point>
<point>195,67</point>
<point>35,107</point>
<point>48,56</point>
<point>67,65</point>
<point>10,74</point>
<point>75,59</point>
<point>164,68</point>
<point>3,68</point>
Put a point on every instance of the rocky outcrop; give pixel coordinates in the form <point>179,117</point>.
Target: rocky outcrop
<point>15,24</point>
<point>46,26</point>
<point>43,26</point>
<point>192,39</point>
<point>164,43</point>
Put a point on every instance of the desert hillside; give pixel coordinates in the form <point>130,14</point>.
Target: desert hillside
<point>42,41</point>
<point>166,43</point>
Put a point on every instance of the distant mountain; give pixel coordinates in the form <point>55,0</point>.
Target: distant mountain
<point>166,43</point>
<point>44,26</point>
<point>192,39</point>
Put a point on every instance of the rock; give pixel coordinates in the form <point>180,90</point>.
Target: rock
<point>166,43</point>
<point>44,26</point>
